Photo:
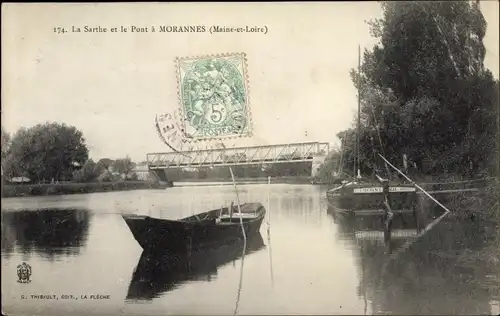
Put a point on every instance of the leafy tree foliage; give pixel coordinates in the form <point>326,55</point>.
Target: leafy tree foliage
<point>330,167</point>
<point>123,166</point>
<point>133,176</point>
<point>105,163</point>
<point>425,92</point>
<point>106,176</point>
<point>88,173</point>
<point>45,152</point>
<point>5,144</point>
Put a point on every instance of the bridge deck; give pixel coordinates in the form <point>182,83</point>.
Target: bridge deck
<point>238,155</point>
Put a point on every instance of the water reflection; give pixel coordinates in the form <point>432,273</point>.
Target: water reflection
<point>438,270</point>
<point>48,232</point>
<point>154,276</point>
<point>355,228</point>
<point>449,270</point>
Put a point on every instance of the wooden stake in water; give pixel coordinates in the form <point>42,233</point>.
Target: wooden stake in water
<point>244,242</point>
<point>388,215</point>
<point>239,208</point>
<point>268,201</point>
<point>269,228</point>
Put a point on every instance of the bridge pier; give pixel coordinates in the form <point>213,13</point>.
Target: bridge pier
<point>160,175</point>
<point>317,162</point>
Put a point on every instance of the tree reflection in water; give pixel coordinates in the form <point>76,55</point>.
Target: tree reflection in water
<point>48,232</point>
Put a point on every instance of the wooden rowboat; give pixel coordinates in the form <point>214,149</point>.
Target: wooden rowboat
<point>196,232</point>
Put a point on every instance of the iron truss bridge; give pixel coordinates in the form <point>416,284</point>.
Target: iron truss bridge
<point>233,156</point>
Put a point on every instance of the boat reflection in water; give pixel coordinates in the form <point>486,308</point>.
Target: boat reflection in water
<point>155,275</point>
<point>404,226</point>
<point>358,230</point>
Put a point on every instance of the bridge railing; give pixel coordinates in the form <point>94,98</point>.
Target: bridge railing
<point>239,155</point>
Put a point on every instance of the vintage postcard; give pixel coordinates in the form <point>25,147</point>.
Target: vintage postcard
<point>250,158</point>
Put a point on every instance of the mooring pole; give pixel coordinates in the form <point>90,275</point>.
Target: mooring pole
<point>190,249</point>
<point>416,185</point>
<point>498,136</point>
<point>231,212</point>
<point>358,175</point>
<point>415,216</point>
<point>388,215</point>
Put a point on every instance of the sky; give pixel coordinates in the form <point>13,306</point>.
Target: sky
<point>112,85</point>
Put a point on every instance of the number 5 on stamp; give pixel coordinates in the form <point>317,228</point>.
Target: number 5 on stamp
<point>213,95</point>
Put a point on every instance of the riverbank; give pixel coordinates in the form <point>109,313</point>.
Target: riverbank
<point>465,204</point>
<point>281,180</point>
<point>18,190</point>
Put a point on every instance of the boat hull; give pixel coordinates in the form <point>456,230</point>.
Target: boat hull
<point>368,199</point>
<point>181,236</point>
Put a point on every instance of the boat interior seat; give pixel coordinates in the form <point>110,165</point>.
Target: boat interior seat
<point>207,221</point>
<point>205,218</point>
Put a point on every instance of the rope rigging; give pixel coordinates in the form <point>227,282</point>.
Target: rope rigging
<point>376,125</point>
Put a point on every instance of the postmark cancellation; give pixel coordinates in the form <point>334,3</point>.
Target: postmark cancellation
<point>213,96</point>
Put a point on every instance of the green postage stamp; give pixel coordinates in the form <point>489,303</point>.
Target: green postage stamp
<point>213,93</point>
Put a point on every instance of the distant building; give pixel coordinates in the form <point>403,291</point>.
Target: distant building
<point>20,180</point>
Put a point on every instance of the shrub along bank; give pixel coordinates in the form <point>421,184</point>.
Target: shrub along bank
<point>15,190</point>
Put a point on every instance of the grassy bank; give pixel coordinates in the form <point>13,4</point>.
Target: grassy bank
<point>16,190</point>
<point>479,205</point>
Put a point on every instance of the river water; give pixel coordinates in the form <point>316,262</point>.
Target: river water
<point>308,262</point>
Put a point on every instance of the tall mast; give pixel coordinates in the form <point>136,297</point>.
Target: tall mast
<point>359,107</point>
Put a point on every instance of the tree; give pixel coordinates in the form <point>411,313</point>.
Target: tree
<point>424,90</point>
<point>46,151</point>
<point>143,163</point>
<point>88,173</point>
<point>123,166</point>
<point>133,176</point>
<point>329,166</point>
<point>106,176</point>
<point>105,163</point>
<point>6,140</point>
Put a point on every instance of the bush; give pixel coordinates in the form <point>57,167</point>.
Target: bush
<point>106,177</point>
<point>132,177</point>
<point>88,173</point>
